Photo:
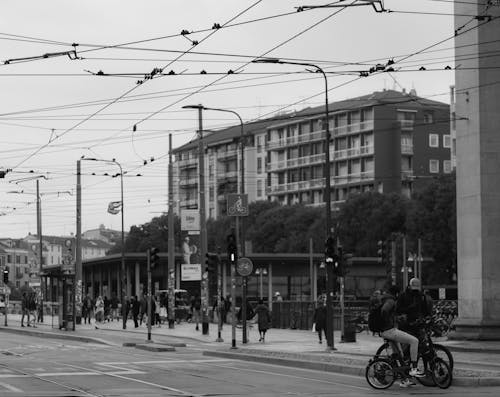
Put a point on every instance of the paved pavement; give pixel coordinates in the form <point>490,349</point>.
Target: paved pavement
<point>477,362</point>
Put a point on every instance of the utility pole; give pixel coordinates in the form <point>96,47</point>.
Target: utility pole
<point>78,263</point>
<point>203,225</point>
<point>40,248</point>
<point>148,265</point>
<point>171,241</point>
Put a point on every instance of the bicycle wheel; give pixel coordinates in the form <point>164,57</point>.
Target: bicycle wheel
<point>427,379</point>
<point>444,353</point>
<point>379,374</point>
<point>385,350</point>
<point>441,373</point>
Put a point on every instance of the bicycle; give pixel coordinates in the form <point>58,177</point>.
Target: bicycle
<point>426,347</point>
<point>381,372</point>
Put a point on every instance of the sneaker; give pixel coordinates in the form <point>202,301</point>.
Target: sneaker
<point>406,383</point>
<point>415,372</point>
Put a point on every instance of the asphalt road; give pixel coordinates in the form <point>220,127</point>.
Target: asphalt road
<point>33,366</point>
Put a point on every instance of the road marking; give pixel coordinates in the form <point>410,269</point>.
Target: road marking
<point>163,387</point>
<point>208,360</point>
<point>292,376</point>
<point>10,387</point>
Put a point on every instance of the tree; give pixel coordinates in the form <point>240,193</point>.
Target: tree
<point>150,234</point>
<point>432,218</point>
<point>368,217</point>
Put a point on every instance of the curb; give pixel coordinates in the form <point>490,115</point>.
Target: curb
<point>55,335</point>
<point>341,368</point>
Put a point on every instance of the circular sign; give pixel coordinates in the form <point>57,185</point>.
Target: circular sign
<point>244,267</point>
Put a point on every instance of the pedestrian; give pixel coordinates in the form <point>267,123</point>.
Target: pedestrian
<point>195,308</point>
<point>263,319</point>
<point>24,310</point>
<point>319,319</point>
<point>143,310</point>
<point>135,306</point>
<point>227,307</point>
<point>86,304</point>
<point>278,297</point>
<point>107,307</point>
<point>32,308</point>
<point>99,310</point>
<point>114,308</point>
<point>250,314</point>
<point>156,314</point>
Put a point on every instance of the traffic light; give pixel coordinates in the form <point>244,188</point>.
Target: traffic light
<point>6,276</point>
<point>338,264</point>
<point>330,249</point>
<point>232,250</point>
<point>154,258</point>
<point>211,262</point>
<point>381,251</point>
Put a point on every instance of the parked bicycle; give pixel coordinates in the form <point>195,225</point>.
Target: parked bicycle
<point>427,350</point>
<point>382,371</point>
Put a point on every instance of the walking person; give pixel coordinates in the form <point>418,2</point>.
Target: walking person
<point>107,307</point>
<point>99,310</point>
<point>135,306</point>
<point>24,310</point>
<point>143,310</point>
<point>86,309</point>
<point>319,319</point>
<point>227,308</point>
<point>263,319</point>
<point>195,308</point>
<point>250,314</point>
<point>32,309</point>
<point>114,308</point>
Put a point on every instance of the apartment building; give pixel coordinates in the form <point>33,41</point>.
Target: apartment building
<point>16,256</point>
<point>388,141</point>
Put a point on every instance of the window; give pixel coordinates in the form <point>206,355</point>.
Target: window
<point>428,118</point>
<point>433,166</point>
<point>259,188</point>
<point>18,259</point>
<point>447,141</point>
<point>433,140</point>
<point>9,259</point>
<point>447,166</point>
<point>259,144</point>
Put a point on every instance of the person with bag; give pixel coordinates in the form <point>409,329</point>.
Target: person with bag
<point>263,319</point>
<point>319,320</point>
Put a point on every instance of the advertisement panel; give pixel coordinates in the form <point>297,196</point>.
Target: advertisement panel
<point>190,220</point>
<point>191,272</point>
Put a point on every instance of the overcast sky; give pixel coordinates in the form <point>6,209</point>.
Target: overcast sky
<point>56,109</point>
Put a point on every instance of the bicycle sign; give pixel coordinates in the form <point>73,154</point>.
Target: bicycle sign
<point>237,204</point>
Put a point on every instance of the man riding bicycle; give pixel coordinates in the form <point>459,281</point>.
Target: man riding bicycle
<point>412,306</point>
<point>390,331</point>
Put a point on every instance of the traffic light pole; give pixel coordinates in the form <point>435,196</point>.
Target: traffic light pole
<point>148,255</point>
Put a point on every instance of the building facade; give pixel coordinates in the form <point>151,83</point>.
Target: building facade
<point>387,141</point>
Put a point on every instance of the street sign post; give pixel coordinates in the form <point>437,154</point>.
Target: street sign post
<point>244,267</point>
<point>237,204</point>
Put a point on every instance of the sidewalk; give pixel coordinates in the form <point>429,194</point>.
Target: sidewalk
<point>477,363</point>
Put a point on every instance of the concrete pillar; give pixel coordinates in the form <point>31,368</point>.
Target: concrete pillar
<point>100,280</point>
<point>270,287</point>
<point>478,171</point>
<point>137,279</point>
<point>129,283</point>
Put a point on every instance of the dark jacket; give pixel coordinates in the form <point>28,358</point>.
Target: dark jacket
<point>249,314</point>
<point>388,312</point>
<point>319,317</point>
<point>135,307</point>
<point>414,304</point>
<point>264,317</point>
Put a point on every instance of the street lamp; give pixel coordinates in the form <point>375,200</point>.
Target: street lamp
<point>78,270</point>
<point>329,231</point>
<point>261,271</point>
<point>202,201</point>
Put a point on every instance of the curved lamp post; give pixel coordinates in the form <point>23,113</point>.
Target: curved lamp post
<point>122,269</point>
<point>328,202</point>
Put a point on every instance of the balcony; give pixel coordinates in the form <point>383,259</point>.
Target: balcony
<point>188,163</point>
<point>193,181</point>
<point>407,149</point>
<point>353,152</point>
<point>189,203</point>
<point>358,177</point>
<point>227,175</point>
<point>354,128</point>
<point>296,186</point>
<point>406,125</point>
<point>227,154</point>
<point>295,140</point>
<point>407,175</point>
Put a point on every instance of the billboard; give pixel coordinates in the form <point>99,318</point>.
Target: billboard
<point>191,272</point>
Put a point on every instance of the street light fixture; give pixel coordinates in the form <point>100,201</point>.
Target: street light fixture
<point>328,202</point>
<point>261,271</point>
<point>239,238</point>
<point>79,258</point>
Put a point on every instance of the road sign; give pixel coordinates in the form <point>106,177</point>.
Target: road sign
<point>244,266</point>
<point>237,204</point>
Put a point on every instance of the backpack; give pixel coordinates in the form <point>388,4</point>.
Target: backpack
<point>375,320</point>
